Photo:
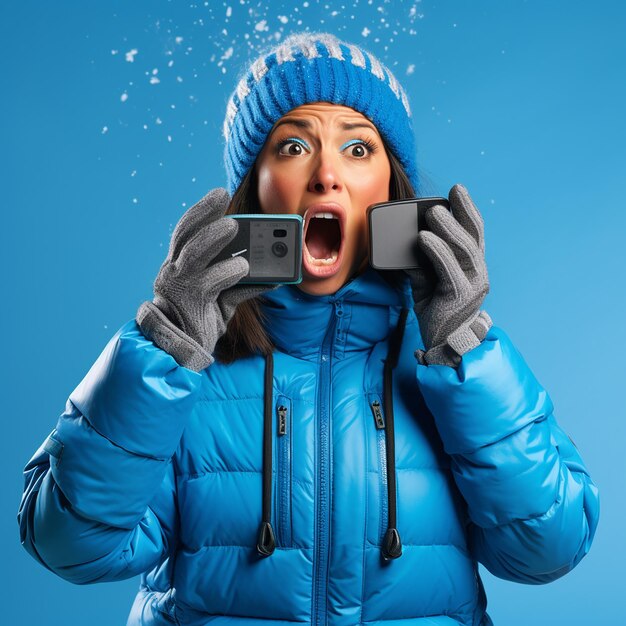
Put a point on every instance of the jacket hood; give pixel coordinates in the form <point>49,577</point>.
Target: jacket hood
<point>366,307</point>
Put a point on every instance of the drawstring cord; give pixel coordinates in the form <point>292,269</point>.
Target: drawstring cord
<point>266,543</point>
<point>392,544</point>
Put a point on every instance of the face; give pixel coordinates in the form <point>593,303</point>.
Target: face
<point>327,163</point>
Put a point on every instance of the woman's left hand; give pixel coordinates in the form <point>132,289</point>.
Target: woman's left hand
<point>449,294</point>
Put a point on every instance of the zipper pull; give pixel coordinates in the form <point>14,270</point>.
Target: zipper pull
<point>282,420</point>
<point>378,414</point>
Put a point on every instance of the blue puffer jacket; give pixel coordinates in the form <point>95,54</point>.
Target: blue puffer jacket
<point>157,470</point>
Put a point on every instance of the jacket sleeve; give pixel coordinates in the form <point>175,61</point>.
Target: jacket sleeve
<point>99,495</point>
<point>532,505</point>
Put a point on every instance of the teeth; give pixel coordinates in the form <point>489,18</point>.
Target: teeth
<point>328,261</point>
<point>327,216</point>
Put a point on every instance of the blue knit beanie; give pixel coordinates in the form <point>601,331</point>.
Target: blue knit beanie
<point>314,67</point>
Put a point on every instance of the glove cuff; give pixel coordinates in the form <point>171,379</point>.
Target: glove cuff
<point>157,327</point>
<point>467,337</point>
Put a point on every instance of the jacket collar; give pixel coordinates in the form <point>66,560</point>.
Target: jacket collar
<point>364,309</point>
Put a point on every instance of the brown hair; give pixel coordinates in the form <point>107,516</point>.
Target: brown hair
<point>246,334</point>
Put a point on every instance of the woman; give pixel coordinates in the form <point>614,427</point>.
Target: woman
<point>344,451</point>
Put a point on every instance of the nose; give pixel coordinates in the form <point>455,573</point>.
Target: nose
<point>325,175</point>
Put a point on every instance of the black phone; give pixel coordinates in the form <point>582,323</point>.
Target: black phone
<point>272,245</point>
<point>393,228</point>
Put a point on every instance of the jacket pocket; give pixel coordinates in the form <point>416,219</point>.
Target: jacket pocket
<point>283,488</point>
<point>376,407</point>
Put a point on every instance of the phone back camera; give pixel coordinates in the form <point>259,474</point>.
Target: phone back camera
<point>279,248</point>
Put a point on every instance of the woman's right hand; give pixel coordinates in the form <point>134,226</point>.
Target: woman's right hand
<point>194,299</point>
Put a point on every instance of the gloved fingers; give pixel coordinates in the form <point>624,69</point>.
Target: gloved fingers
<point>222,276</point>
<point>446,226</point>
<point>452,279</point>
<point>465,212</point>
<point>203,246</point>
<point>423,283</point>
<point>211,207</point>
<point>239,293</point>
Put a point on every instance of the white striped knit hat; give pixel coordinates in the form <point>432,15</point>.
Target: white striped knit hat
<point>314,67</point>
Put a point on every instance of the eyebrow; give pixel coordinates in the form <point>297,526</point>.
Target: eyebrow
<point>307,125</point>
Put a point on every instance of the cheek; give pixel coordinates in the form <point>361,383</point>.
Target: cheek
<point>275,191</point>
<point>374,190</point>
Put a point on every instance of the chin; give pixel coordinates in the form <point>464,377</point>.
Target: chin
<point>316,286</point>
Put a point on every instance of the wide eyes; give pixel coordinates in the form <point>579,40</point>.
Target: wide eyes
<point>290,147</point>
<point>358,148</point>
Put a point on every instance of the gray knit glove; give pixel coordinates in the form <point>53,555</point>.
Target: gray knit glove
<point>449,294</point>
<point>193,299</point>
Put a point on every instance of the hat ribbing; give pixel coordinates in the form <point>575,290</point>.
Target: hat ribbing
<point>314,67</point>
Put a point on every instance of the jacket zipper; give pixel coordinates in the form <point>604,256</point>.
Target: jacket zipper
<point>323,486</point>
<point>284,426</point>
<point>379,422</point>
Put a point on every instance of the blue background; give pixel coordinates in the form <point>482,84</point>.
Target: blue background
<point>521,101</point>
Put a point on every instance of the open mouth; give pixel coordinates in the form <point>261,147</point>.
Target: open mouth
<point>322,244</point>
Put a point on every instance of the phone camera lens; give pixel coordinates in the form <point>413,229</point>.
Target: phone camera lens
<point>279,248</point>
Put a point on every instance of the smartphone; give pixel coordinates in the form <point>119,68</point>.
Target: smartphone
<point>393,228</point>
<point>272,245</point>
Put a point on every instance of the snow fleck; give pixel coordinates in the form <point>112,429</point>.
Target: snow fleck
<point>135,200</point>
<point>106,326</point>
<point>261,26</point>
<point>482,153</point>
<point>228,54</point>
<point>365,32</point>
<point>159,121</point>
<point>169,138</point>
<point>305,5</point>
<point>179,40</point>
<point>179,79</point>
<point>154,80</point>
<point>410,69</point>
<point>105,130</point>
<point>130,56</point>
<point>133,173</point>
<point>145,127</point>
<point>229,11</point>
<point>170,63</point>
<point>193,180</point>
<point>114,52</point>
<point>283,19</point>
<point>124,97</point>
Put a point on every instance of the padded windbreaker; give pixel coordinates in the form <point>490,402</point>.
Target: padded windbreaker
<point>157,470</point>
